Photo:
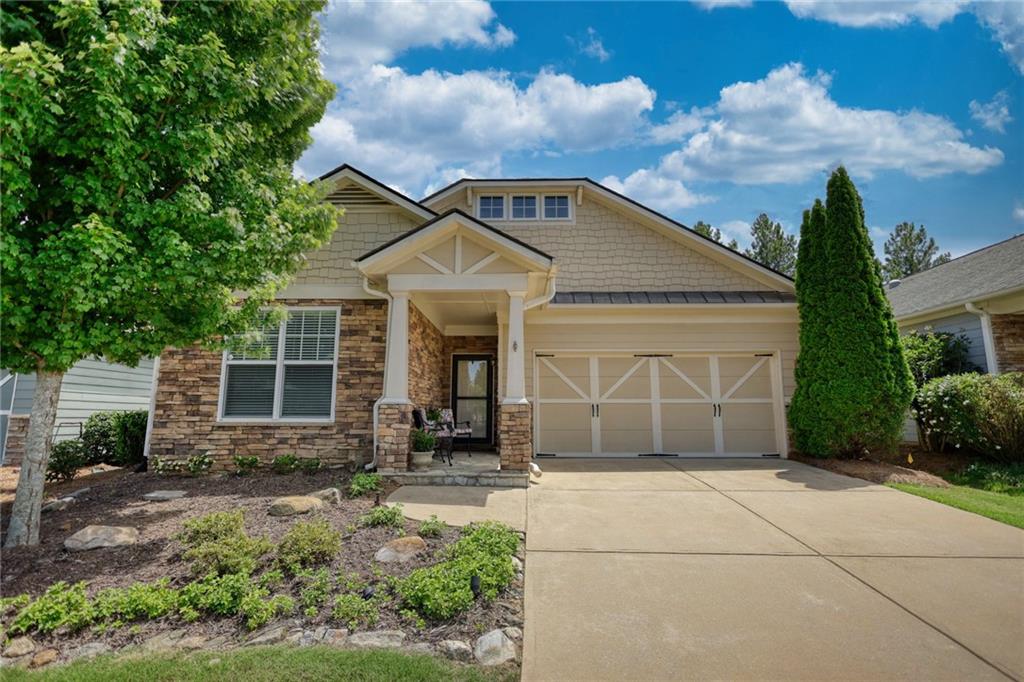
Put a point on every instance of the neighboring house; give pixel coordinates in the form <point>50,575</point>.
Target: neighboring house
<point>90,386</point>
<point>559,317</point>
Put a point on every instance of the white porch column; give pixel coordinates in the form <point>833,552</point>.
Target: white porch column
<point>396,389</point>
<point>515,367</point>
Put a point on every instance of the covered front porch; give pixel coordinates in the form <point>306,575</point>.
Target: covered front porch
<point>458,291</point>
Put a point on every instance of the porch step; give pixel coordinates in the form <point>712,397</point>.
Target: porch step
<point>490,479</point>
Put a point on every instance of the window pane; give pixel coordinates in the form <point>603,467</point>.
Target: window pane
<point>309,335</point>
<point>556,206</point>
<point>307,391</point>
<point>472,378</point>
<point>524,207</point>
<point>473,410</point>
<point>492,207</point>
<point>258,345</point>
<point>250,391</point>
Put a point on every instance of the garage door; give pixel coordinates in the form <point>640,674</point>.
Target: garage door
<point>657,404</point>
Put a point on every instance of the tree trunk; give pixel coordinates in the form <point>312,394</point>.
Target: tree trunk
<point>23,528</point>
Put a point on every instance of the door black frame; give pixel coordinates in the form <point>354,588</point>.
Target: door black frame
<point>456,358</point>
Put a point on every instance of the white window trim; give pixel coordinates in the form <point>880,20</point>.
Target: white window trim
<point>537,206</point>
<point>504,204</point>
<point>279,363</point>
<point>572,211</point>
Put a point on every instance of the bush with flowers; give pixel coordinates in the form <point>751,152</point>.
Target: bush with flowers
<point>982,413</point>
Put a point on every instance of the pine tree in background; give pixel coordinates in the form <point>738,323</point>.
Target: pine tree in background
<point>705,230</point>
<point>908,250</point>
<point>771,246</point>
<point>853,386</point>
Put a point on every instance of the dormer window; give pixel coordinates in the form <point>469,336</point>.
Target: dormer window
<point>556,207</point>
<point>524,207</point>
<point>492,207</point>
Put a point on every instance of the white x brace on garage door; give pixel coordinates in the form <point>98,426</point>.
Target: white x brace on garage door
<point>692,405</point>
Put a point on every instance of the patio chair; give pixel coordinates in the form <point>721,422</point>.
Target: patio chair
<point>462,429</point>
<point>445,437</point>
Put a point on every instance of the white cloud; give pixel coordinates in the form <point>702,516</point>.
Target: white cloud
<point>678,125</point>
<point>357,33</point>
<point>993,115</point>
<point>594,46</point>
<point>1006,21</point>
<point>787,128</point>
<point>1018,212</point>
<point>877,13</point>
<point>736,229</point>
<point>658,192</point>
<point>716,4</point>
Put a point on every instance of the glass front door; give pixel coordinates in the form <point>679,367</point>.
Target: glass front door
<point>473,393</point>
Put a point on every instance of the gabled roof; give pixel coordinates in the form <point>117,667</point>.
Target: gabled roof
<point>360,178</point>
<point>610,194</point>
<point>973,277</point>
<point>530,252</point>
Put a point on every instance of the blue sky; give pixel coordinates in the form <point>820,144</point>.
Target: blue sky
<point>713,111</point>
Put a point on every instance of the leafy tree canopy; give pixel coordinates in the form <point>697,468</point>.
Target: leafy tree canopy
<point>909,250</point>
<point>713,233</point>
<point>771,246</point>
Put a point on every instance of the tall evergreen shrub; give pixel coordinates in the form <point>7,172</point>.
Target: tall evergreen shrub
<point>853,386</point>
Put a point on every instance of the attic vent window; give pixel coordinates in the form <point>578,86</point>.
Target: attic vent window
<point>492,207</point>
<point>353,196</point>
<point>556,207</point>
<point>524,207</point>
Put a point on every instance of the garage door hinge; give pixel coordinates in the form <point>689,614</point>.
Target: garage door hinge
<point>658,454</point>
<point>769,454</point>
<point>545,355</point>
<point>545,454</point>
<point>652,355</point>
<point>763,355</point>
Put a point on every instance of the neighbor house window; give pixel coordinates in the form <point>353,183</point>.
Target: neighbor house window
<point>556,207</point>
<point>492,207</point>
<point>524,207</point>
<point>286,372</point>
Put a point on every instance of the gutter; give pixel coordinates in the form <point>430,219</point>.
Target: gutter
<point>372,464</point>
<point>986,336</point>
<point>549,291</point>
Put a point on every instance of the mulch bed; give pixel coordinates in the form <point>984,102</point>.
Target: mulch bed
<point>909,464</point>
<point>115,499</point>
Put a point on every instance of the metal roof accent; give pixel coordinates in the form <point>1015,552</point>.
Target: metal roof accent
<point>670,297</point>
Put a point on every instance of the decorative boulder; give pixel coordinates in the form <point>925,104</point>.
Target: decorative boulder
<point>401,549</point>
<point>44,657</point>
<point>58,505</point>
<point>164,495</point>
<point>19,646</point>
<point>295,504</point>
<point>328,495</point>
<point>494,648</point>
<point>378,639</point>
<point>95,537</point>
<point>456,650</point>
<point>87,651</point>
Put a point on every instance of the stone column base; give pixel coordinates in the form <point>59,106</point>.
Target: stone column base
<point>515,436</point>
<point>394,422</point>
<point>17,430</point>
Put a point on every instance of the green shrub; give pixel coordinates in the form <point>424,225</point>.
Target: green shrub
<point>489,537</point>
<point>164,466</point>
<point>232,554</point>
<point>309,465</point>
<point>214,594</point>
<point>936,354</point>
<point>284,464</point>
<point>13,603</point>
<point>422,441</point>
<point>245,465</point>
<point>99,435</point>
<point>853,386</point>
<point>438,592</point>
<point>212,527</point>
<point>363,484</point>
<point>115,606</point>
<point>61,606</point>
<point>384,516</point>
<point>271,578</point>
<point>432,527</point>
<point>308,543</point>
<point>199,463</point>
<point>117,438</point>
<point>258,610</point>
<point>315,591</point>
<point>66,458</point>
<point>353,611</point>
<point>976,412</point>
<point>998,478</point>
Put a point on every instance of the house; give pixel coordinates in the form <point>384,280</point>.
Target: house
<point>979,295</point>
<point>558,316</point>
<point>92,385</point>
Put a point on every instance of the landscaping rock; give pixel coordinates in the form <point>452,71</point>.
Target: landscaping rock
<point>78,493</point>
<point>456,650</point>
<point>295,504</point>
<point>517,564</point>
<point>379,639</point>
<point>164,495</point>
<point>400,549</point>
<point>44,657</point>
<point>20,662</point>
<point>95,537</point>
<point>333,636</point>
<point>19,646</point>
<point>513,633</point>
<point>163,642</point>
<point>420,648</point>
<point>58,505</point>
<point>270,635</point>
<point>218,642</point>
<point>87,651</point>
<point>328,495</point>
<point>494,648</point>
<point>191,643</point>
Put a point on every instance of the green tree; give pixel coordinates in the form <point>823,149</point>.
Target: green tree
<point>908,250</point>
<point>148,197</point>
<point>713,233</point>
<point>771,246</point>
<point>853,386</point>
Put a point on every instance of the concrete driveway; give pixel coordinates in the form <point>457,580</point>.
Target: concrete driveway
<point>750,569</point>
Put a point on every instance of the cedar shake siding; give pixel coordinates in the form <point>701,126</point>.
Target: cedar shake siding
<point>185,415</point>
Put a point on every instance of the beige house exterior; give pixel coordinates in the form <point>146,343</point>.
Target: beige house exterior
<point>561,318</point>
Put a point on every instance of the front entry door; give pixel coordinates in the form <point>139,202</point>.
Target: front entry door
<point>473,394</point>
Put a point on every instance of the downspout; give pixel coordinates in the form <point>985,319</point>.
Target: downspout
<point>152,408</point>
<point>549,291</point>
<point>372,464</point>
<point>986,337</point>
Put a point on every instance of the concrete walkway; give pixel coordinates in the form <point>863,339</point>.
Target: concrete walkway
<point>750,569</point>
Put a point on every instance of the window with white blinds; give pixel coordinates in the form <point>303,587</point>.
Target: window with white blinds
<point>286,371</point>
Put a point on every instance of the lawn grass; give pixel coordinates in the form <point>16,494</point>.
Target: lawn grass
<point>258,664</point>
<point>995,505</point>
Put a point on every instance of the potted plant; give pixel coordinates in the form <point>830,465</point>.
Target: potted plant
<point>423,443</point>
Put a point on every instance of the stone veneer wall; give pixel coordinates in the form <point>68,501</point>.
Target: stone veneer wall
<point>14,448</point>
<point>394,422</point>
<point>185,416</point>
<point>427,380</point>
<point>1008,339</point>
<point>515,436</point>
<point>471,345</point>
